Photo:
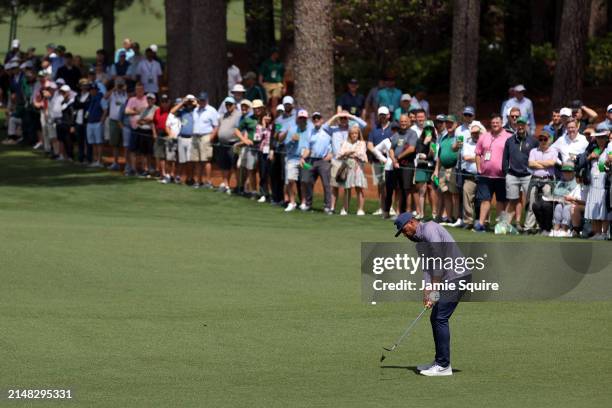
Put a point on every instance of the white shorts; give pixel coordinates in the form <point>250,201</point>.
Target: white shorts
<point>51,131</point>
<point>184,149</point>
<point>248,158</point>
<point>292,170</point>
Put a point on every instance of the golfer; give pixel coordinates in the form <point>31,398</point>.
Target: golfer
<point>434,241</point>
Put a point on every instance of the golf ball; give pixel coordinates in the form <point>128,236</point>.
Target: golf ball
<point>373,303</point>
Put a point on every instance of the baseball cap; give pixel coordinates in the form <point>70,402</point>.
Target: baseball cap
<point>84,82</point>
<point>65,88</point>
<point>428,123</point>
<point>520,88</point>
<point>441,118</point>
<point>413,108</point>
<point>451,118</point>
<point>150,95</point>
<point>190,97</point>
<point>406,97</point>
<point>60,81</point>
<point>280,107</point>
<point>164,97</point>
<point>229,99</point>
<point>60,48</point>
<point>400,221</point>
<point>383,110</point>
<point>238,88</point>
<point>548,132</point>
<point>565,112</point>
<point>153,47</point>
<point>576,104</point>
<point>317,113</point>
<point>288,99</point>
<point>250,75</point>
<point>475,128</point>
<point>51,45</point>
<point>203,96</point>
<point>469,110</point>
<point>15,43</point>
<point>246,102</point>
<point>354,81</point>
<point>302,114</point>
<point>567,166</point>
<point>609,108</point>
<point>91,70</point>
<point>522,120</point>
<point>52,85</point>
<point>600,132</point>
<point>258,103</point>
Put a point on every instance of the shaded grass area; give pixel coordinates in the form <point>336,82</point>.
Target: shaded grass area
<point>136,294</point>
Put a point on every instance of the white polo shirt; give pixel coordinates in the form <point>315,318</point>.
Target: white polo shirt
<point>205,120</point>
<point>468,150</point>
<point>568,147</point>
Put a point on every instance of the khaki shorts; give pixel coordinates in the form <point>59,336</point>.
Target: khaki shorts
<point>378,173</point>
<point>448,181</point>
<point>335,166</point>
<point>274,89</point>
<point>201,148</point>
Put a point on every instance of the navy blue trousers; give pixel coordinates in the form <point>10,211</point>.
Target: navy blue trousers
<point>440,314</point>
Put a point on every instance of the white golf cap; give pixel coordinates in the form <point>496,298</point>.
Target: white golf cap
<point>15,43</point>
<point>406,97</point>
<point>258,103</point>
<point>246,102</point>
<point>565,112</point>
<point>150,95</point>
<point>190,97</point>
<point>609,108</point>
<point>477,124</point>
<point>280,107</point>
<point>153,47</point>
<point>303,114</point>
<point>238,88</point>
<point>520,88</point>
<point>52,85</point>
<point>383,110</point>
<point>65,88</point>
<point>288,99</point>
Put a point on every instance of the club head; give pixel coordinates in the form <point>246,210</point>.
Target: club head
<point>389,349</point>
<point>382,357</point>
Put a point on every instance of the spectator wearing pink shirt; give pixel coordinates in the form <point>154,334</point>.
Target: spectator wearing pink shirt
<point>491,180</point>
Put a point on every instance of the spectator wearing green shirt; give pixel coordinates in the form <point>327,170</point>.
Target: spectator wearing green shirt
<point>247,159</point>
<point>445,171</point>
<point>272,75</point>
<point>253,89</point>
<point>403,108</point>
<point>389,96</point>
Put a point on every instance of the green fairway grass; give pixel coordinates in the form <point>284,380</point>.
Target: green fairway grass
<point>135,294</point>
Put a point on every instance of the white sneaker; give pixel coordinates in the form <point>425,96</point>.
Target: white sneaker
<point>343,212</point>
<point>427,366</point>
<point>392,212</point>
<point>377,212</point>
<point>38,146</point>
<point>60,158</point>
<point>360,212</point>
<point>304,207</point>
<point>437,371</point>
<point>458,223</point>
<point>262,199</point>
<point>291,207</point>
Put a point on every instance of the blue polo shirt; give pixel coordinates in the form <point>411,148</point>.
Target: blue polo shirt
<point>319,143</point>
<point>96,109</point>
<point>389,97</point>
<point>186,118</point>
<point>295,148</point>
<point>379,134</point>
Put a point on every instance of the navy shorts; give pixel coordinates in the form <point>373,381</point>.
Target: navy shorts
<point>487,186</point>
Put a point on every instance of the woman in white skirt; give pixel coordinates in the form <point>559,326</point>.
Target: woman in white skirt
<point>353,155</point>
<point>596,208</point>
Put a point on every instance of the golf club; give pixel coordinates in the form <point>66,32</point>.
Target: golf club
<point>434,297</point>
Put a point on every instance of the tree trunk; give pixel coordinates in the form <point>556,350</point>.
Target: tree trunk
<point>517,33</point>
<point>569,67</point>
<point>209,48</point>
<point>287,42</point>
<point>178,23</point>
<point>107,8</point>
<point>540,22</point>
<point>259,23</point>
<point>598,22</point>
<point>464,55</point>
<point>314,73</point>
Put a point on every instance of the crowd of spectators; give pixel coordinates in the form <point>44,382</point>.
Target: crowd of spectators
<point>554,182</point>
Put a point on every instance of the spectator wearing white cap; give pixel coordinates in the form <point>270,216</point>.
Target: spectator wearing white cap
<point>13,52</point>
<point>316,163</point>
<point>337,127</point>
<point>149,72</point>
<point>233,72</point>
<point>377,135</point>
<point>237,92</point>
<point>64,123</point>
<point>524,104</point>
<point>608,121</point>
<point>224,136</point>
<point>295,140</point>
<point>571,144</point>
<point>404,107</point>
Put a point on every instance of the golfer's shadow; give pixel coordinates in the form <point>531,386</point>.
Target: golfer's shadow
<point>411,368</point>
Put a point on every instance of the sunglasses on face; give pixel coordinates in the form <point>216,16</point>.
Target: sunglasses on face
<point>543,139</point>
<point>514,116</point>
